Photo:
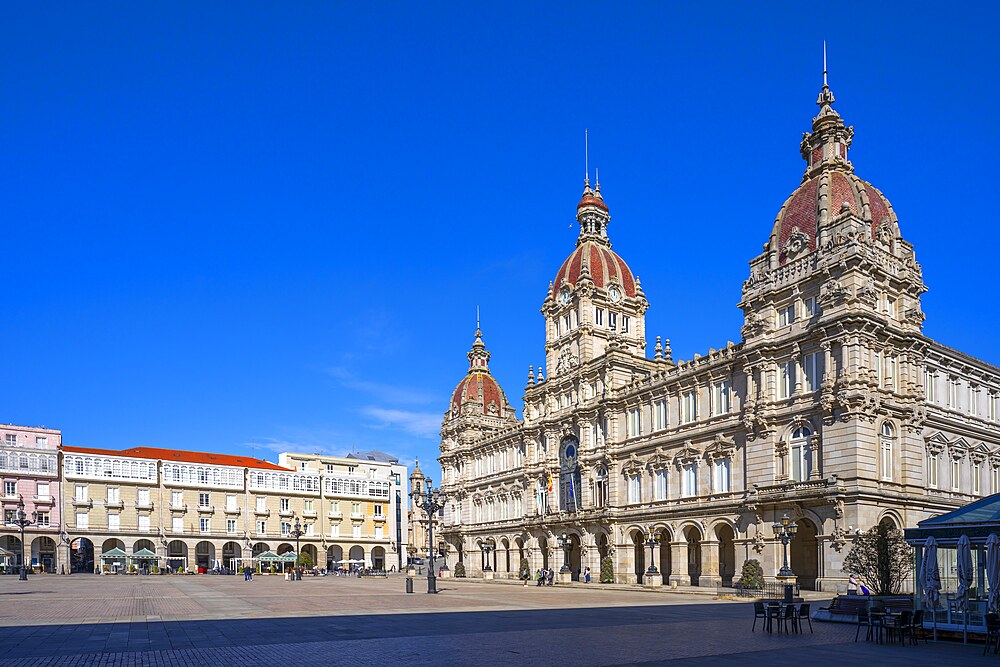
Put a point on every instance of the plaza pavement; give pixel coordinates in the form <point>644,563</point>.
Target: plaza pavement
<point>224,621</point>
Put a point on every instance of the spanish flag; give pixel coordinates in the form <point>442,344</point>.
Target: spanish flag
<point>550,482</point>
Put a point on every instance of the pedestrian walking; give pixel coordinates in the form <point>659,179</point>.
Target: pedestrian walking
<point>586,576</point>
<point>247,573</point>
<point>540,577</point>
<point>551,575</point>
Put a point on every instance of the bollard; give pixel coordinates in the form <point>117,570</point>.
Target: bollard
<point>409,584</point>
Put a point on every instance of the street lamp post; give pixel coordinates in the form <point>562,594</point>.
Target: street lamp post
<point>784,530</point>
<point>21,520</point>
<point>566,545</point>
<point>297,532</point>
<point>488,547</point>
<point>651,543</point>
<point>430,502</point>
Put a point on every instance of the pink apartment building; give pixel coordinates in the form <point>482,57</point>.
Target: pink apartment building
<point>29,470</point>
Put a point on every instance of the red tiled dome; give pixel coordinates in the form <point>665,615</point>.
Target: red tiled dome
<point>592,200</point>
<point>605,267</point>
<point>801,210</point>
<point>480,384</point>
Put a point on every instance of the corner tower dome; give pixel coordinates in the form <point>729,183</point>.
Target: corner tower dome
<point>479,393</point>
<point>829,189</point>
<point>593,255</point>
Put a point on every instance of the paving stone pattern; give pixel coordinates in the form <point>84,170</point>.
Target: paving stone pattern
<point>221,621</point>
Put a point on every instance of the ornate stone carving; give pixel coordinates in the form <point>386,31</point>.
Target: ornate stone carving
<point>832,292</point>
<point>797,243</point>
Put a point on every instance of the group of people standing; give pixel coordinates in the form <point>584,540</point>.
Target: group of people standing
<point>546,576</point>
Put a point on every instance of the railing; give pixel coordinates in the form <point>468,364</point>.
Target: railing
<point>147,505</point>
<point>206,508</point>
<point>287,512</point>
<point>768,590</point>
<point>111,504</point>
<point>83,502</point>
<point>47,500</point>
<point>260,512</point>
<point>232,510</point>
<point>178,508</point>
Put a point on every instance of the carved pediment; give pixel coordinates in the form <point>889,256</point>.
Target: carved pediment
<point>633,466</point>
<point>659,460</point>
<point>936,443</point>
<point>687,454</point>
<point>722,447</point>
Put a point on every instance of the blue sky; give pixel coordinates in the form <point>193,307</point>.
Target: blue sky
<point>245,227</point>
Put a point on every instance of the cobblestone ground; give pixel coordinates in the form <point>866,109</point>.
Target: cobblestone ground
<point>223,621</point>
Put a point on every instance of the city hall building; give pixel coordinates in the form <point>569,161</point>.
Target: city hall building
<point>834,409</point>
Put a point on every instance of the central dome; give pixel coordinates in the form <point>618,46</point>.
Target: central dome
<point>593,256</point>
<point>829,190</point>
<point>603,264</point>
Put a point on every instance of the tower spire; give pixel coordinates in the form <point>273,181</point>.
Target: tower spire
<point>826,146</point>
<point>586,158</point>
<point>479,356</point>
<point>825,83</point>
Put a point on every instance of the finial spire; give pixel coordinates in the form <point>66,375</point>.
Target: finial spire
<point>825,83</point>
<point>477,318</point>
<point>586,156</point>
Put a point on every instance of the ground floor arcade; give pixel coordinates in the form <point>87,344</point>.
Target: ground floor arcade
<point>687,550</point>
<point>67,554</point>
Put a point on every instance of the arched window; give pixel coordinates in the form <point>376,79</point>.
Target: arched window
<point>800,454</point>
<point>885,439</point>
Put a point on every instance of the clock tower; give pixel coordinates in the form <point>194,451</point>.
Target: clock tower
<point>595,303</point>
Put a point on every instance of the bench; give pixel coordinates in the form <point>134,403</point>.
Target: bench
<point>847,606</point>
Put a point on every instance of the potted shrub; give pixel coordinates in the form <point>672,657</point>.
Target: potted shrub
<point>131,568</point>
<point>752,575</point>
<point>459,569</point>
<point>156,569</point>
<point>607,570</point>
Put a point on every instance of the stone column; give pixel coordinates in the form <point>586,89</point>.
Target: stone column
<point>62,557</point>
<point>710,576</point>
<point>678,564</point>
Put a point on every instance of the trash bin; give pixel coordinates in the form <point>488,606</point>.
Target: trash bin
<point>409,584</point>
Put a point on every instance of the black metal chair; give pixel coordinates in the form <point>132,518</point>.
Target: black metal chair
<point>917,625</point>
<point>773,614</point>
<point>992,632</point>
<point>900,625</point>
<point>864,620</point>
<point>804,615</point>
<point>759,611</point>
<point>790,617</point>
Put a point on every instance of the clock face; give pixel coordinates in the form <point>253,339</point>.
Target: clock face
<point>564,295</point>
<point>614,293</point>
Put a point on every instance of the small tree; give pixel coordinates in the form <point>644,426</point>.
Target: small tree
<point>304,559</point>
<point>607,570</point>
<point>459,570</point>
<point>525,574</point>
<point>881,559</point>
<point>752,575</point>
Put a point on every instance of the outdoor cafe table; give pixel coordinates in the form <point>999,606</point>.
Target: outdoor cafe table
<point>775,610</point>
<point>883,620</point>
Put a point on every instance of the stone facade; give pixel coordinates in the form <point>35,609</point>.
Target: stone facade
<point>834,409</point>
<point>197,509</point>
<point>29,468</point>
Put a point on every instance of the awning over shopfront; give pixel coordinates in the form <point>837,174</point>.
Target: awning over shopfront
<point>114,554</point>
